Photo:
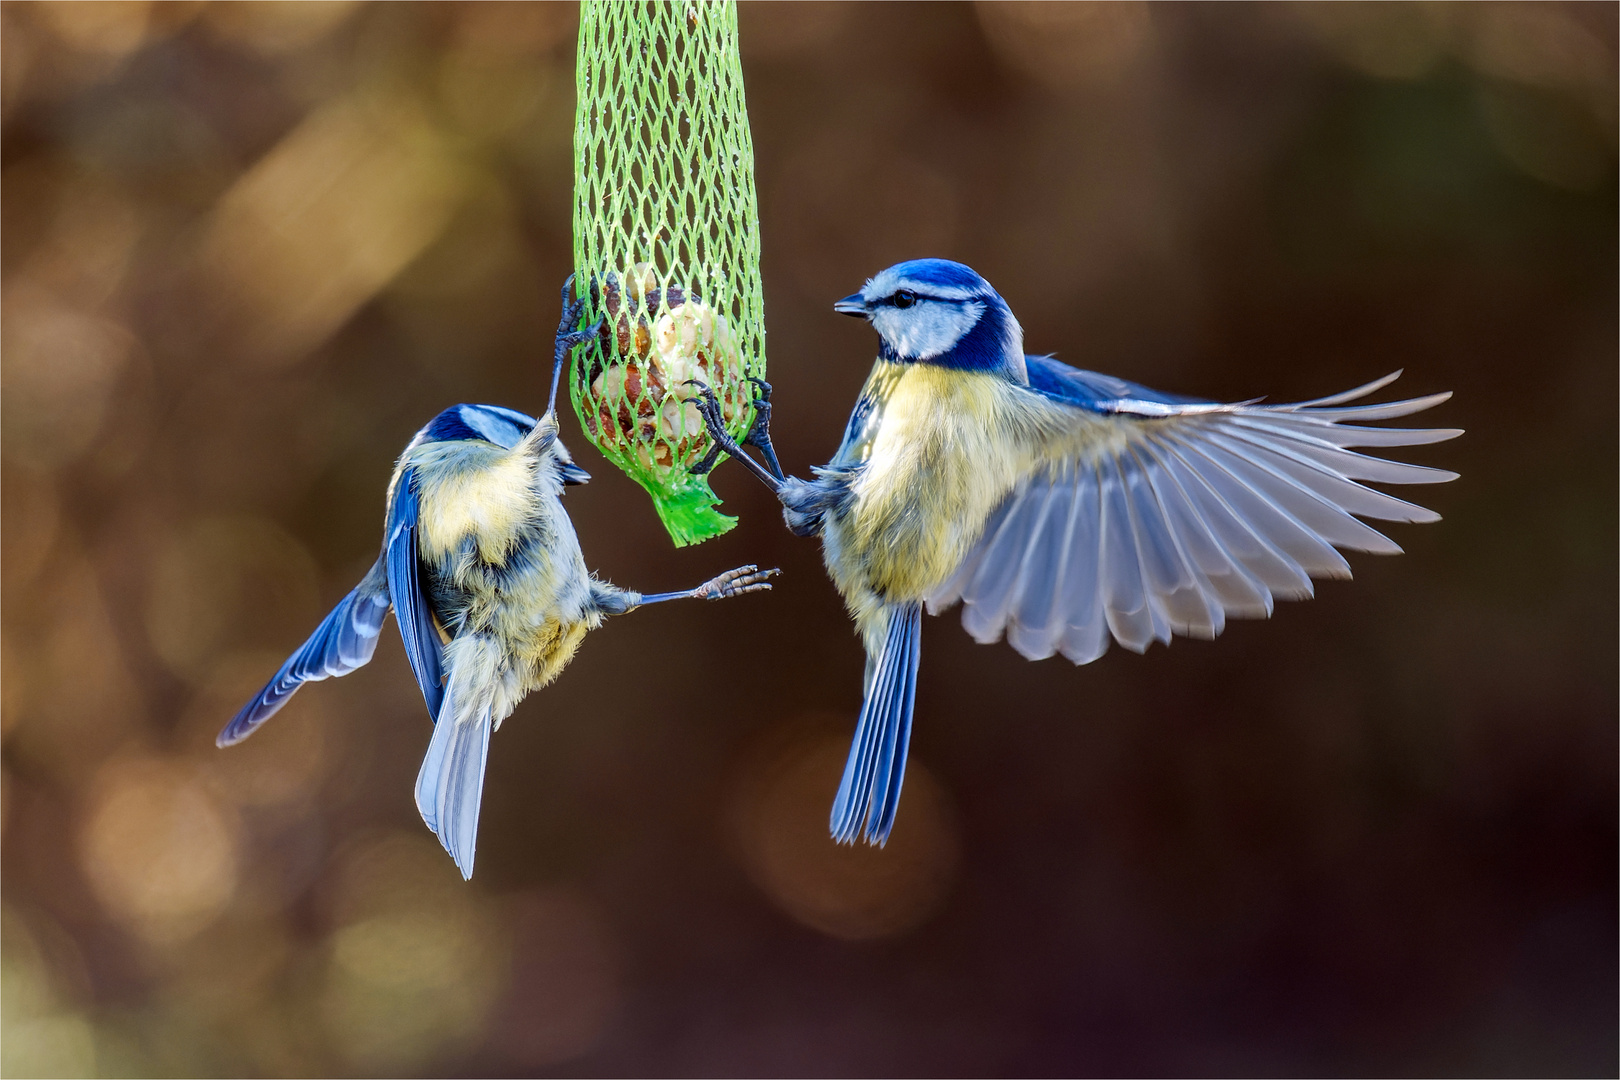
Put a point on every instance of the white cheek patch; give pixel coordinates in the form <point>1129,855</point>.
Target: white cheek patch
<point>927,329</point>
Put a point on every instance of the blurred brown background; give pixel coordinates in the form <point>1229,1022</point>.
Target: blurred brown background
<point>250,248</point>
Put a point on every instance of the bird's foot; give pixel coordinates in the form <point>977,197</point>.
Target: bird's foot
<point>744,579</point>
<point>705,464</point>
<point>720,440</point>
<point>714,420</point>
<point>567,337</point>
<point>759,434</point>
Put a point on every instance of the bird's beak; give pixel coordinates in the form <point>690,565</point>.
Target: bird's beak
<point>573,474</point>
<point>852,305</point>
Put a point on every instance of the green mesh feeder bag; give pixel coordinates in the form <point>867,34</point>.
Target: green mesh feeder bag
<point>666,245</point>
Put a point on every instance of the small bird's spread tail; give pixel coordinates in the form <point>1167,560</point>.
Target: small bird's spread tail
<point>870,790</point>
<point>345,640</point>
<point>450,787</point>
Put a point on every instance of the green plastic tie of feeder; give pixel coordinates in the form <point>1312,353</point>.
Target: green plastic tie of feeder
<point>666,244</point>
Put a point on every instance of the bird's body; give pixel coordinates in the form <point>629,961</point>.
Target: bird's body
<point>484,573</point>
<point>930,455</point>
<point>502,561</point>
<point>1062,507</point>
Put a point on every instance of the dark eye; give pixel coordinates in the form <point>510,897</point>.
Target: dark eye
<point>904,298</point>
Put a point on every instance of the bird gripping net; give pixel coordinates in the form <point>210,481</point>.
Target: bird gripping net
<point>666,244</point>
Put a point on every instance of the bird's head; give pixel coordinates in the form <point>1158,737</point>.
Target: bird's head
<point>934,311</point>
<point>505,428</point>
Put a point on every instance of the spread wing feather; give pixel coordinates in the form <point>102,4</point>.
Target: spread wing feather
<point>1200,513</point>
<point>345,640</point>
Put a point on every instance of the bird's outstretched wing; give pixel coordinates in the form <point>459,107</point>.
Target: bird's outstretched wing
<point>1193,512</point>
<point>411,606</point>
<point>345,640</point>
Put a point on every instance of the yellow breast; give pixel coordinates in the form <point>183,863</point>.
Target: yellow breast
<point>948,448</point>
<point>488,498</point>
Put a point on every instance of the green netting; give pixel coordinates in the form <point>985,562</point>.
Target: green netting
<point>666,244</point>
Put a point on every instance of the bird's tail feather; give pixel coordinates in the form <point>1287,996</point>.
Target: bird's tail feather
<point>870,790</point>
<point>450,787</point>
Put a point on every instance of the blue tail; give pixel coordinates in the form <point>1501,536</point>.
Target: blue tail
<point>450,787</point>
<point>870,790</point>
<point>344,641</point>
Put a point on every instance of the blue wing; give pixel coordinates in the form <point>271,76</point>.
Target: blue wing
<point>870,789</point>
<point>1091,389</point>
<point>345,640</point>
<point>411,606</point>
<point>1161,515</point>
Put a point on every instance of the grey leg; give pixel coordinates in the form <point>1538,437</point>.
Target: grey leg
<point>744,579</point>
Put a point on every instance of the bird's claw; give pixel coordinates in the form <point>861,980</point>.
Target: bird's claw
<point>567,337</point>
<point>570,308</point>
<point>705,464</point>
<point>579,337</point>
<point>759,432</point>
<point>708,407</point>
<point>714,420</point>
<point>744,579</point>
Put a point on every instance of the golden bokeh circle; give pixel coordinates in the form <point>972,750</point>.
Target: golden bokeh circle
<point>855,892</point>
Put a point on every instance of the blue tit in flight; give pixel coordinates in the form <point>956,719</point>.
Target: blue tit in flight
<point>1061,507</point>
<point>484,574</point>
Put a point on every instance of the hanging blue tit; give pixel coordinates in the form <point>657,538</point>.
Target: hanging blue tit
<point>483,572</point>
<point>1060,506</point>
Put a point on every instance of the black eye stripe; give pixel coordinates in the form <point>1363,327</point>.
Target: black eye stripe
<point>904,298</point>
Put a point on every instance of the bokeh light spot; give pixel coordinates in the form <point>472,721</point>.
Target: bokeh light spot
<point>62,364</point>
<point>28,526</point>
<point>39,1034</point>
<point>409,951</point>
<point>111,28</point>
<point>848,891</point>
<point>158,849</point>
<point>418,959</point>
<point>273,27</point>
<point>1069,45</point>
<point>76,700</point>
<point>1546,136</point>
